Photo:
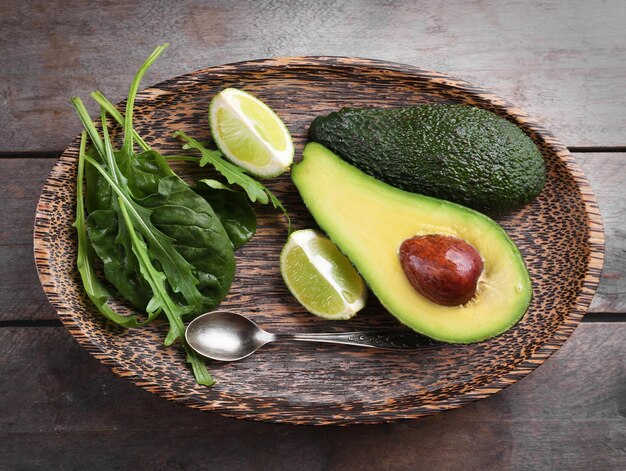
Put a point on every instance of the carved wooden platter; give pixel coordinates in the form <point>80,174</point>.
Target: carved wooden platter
<point>560,237</point>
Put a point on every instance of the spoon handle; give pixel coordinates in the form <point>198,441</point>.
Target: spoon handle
<point>384,339</point>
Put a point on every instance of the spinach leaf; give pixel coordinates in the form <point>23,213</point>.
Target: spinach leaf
<point>235,214</point>
<point>161,244</point>
<point>118,262</point>
<point>198,235</point>
<point>161,300</point>
<point>144,172</point>
<point>233,209</point>
<point>95,290</point>
<point>134,215</point>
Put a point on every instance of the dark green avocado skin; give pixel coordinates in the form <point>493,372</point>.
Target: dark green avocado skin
<point>455,152</point>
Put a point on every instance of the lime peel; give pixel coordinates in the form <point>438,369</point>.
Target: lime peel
<point>250,134</point>
<point>320,277</point>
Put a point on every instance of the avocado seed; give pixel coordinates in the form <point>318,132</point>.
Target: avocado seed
<point>442,268</point>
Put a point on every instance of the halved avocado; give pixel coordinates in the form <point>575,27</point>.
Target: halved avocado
<point>368,220</point>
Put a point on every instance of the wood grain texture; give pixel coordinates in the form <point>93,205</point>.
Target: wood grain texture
<point>559,236</point>
<point>62,409</point>
<point>21,297</point>
<point>561,61</point>
<point>564,62</point>
<point>21,180</point>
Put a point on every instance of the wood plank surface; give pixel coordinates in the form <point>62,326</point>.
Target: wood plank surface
<point>563,62</point>
<point>61,409</point>
<point>21,297</point>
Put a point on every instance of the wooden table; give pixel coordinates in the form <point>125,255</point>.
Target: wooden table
<point>563,62</point>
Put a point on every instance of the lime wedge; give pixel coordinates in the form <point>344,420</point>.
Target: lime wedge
<point>320,277</point>
<point>250,134</point>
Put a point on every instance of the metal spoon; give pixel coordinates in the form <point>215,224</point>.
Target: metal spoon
<point>228,336</point>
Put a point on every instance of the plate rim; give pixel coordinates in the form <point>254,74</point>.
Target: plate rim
<point>588,286</point>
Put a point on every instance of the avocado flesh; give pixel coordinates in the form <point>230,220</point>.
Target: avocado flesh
<point>455,152</point>
<point>368,220</point>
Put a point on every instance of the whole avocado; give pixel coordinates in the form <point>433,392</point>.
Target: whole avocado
<point>455,152</point>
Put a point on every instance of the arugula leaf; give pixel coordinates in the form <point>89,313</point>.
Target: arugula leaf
<point>133,215</point>
<point>160,298</point>
<point>184,216</point>
<point>198,366</point>
<point>179,272</point>
<point>177,269</point>
<point>118,261</point>
<point>161,244</point>
<point>235,175</point>
<point>163,301</point>
<point>234,212</point>
<point>202,143</point>
<point>95,290</point>
<point>127,146</point>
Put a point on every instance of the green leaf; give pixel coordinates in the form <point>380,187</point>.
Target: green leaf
<point>161,244</point>
<point>199,236</point>
<point>235,175</point>
<point>199,368</point>
<point>144,172</point>
<point>95,290</point>
<point>127,147</point>
<point>156,279</point>
<point>202,143</point>
<point>233,209</point>
<point>117,116</point>
<point>118,261</point>
<point>94,136</point>
<point>178,270</point>
<point>98,193</point>
<point>161,300</point>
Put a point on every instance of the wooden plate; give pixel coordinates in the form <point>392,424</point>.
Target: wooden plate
<point>559,234</point>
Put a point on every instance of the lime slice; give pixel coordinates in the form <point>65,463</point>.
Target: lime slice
<point>250,134</point>
<point>320,277</point>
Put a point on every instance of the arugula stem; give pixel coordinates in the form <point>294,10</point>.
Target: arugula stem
<point>88,124</point>
<point>154,277</point>
<point>118,117</point>
<point>127,147</point>
<point>108,156</point>
<point>95,290</point>
<point>173,312</point>
<point>189,290</point>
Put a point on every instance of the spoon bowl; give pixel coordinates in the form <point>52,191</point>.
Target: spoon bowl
<point>225,336</point>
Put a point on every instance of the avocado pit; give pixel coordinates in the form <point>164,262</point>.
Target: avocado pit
<point>442,268</point>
